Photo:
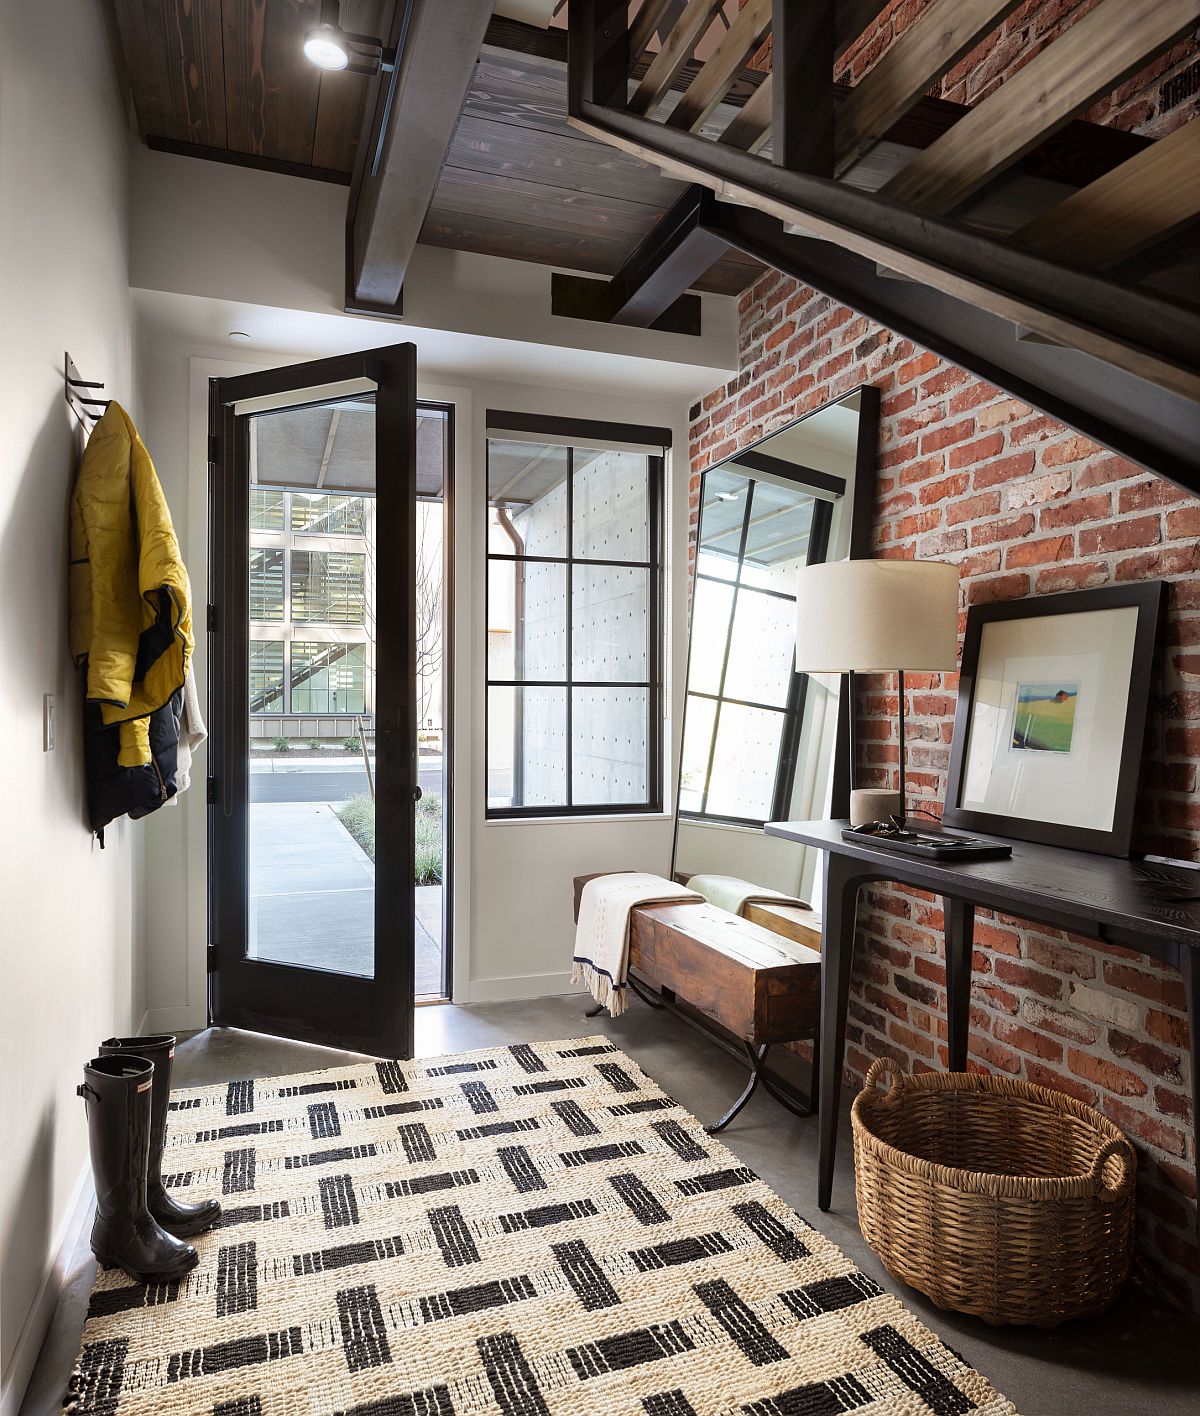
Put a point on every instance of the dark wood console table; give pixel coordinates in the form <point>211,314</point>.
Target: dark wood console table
<point>1151,908</point>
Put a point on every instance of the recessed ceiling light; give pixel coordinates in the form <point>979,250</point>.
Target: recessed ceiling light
<point>240,335</point>
<point>728,496</point>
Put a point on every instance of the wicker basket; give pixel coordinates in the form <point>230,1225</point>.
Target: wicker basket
<point>992,1196</point>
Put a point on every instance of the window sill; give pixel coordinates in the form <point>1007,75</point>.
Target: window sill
<point>601,819</point>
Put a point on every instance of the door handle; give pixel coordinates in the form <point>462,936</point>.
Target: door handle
<point>417,794</point>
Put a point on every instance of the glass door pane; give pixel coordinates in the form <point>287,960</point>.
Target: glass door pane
<point>311,837</point>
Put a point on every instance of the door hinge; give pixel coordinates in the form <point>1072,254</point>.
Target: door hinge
<point>211,960</point>
<point>211,619</point>
<point>210,790</point>
<point>214,448</point>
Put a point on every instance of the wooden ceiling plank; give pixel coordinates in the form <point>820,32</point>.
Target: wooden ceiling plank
<point>144,42</point>
<point>1107,45</point>
<point>390,198</point>
<point>1134,206</point>
<point>342,101</point>
<point>946,31</point>
<point>565,160</point>
<point>271,90</point>
<point>675,52</point>
<point>711,84</point>
<point>196,71</point>
<point>536,203</point>
<point>750,127</point>
<point>595,252</point>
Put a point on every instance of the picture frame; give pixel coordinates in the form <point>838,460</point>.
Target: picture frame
<point>1051,718</point>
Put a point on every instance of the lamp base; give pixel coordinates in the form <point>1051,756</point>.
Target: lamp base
<point>872,804</point>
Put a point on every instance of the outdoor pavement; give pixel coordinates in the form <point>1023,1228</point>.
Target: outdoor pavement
<point>312,894</point>
<point>288,777</point>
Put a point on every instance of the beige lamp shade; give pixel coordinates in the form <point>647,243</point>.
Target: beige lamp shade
<point>875,616</point>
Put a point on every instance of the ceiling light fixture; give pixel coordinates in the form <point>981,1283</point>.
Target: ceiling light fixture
<point>334,49</point>
<point>727,496</point>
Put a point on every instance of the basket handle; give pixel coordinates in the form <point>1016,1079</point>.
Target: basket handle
<point>1116,1146</point>
<point>880,1068</point>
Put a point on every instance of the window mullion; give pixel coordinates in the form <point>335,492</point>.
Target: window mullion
<point>570,612</point>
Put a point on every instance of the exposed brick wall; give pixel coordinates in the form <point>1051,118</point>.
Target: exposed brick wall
<point>1024,506</point>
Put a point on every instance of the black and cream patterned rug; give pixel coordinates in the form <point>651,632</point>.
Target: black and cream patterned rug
<point>525,1231</point>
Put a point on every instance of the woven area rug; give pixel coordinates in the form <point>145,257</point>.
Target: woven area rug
<point>531,1230</point>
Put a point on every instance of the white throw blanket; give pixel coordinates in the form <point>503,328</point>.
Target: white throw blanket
<point>602,933</point>
<point>727,892</point>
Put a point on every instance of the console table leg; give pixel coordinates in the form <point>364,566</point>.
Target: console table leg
<point>1189,965</point>
<point>959,918</point>
<point>837,957</point>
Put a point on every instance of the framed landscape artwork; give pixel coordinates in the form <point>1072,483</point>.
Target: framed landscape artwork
<point>1051,716</point>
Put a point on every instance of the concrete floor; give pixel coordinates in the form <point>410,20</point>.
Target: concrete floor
<point>1140,1357</point>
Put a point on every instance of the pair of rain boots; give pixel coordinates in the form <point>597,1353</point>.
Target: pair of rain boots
<point>139,1227</point>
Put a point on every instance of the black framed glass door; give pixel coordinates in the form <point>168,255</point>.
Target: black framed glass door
<point>313,668</point>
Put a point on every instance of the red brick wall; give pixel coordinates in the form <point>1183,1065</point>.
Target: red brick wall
<point>1024,506</point>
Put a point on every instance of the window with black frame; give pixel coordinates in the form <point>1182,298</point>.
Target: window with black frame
<point>745,702</point>
<point>574,619</point>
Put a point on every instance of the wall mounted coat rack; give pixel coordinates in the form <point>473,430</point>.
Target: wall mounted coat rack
<point>86,409</point>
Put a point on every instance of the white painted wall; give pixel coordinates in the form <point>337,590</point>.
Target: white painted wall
<point>69,964</point>
<point>231,234</point>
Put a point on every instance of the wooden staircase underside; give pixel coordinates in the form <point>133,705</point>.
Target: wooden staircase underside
<point>1047,294</point>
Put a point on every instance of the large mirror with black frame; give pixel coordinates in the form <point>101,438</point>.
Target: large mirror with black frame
<point>760,741</point>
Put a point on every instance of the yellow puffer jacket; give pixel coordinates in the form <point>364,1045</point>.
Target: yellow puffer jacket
<point>130,601</point>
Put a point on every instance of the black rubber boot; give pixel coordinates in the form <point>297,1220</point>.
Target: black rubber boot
<point>117,1093</point>
<point>179,1219</point>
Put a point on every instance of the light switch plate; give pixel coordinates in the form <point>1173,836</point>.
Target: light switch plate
<point>47,722</point>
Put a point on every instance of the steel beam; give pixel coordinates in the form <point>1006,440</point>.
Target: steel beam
<point>1155,427</point>
<point>411,118</point>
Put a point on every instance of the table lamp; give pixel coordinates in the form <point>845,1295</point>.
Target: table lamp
<point>876,616</point>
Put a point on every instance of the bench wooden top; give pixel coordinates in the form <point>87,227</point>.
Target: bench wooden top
<point>740,940</point>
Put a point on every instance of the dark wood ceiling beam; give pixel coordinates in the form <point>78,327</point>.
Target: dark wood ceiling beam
<point>1135,417</point>
<point>410,128</point>
<point>668,262</point>
<point>931,47</point>
<point>1079,66</point>
<point>713,81</point>
<point>1136,205</point>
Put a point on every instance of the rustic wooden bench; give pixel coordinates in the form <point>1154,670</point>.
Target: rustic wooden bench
<point>759,984</point>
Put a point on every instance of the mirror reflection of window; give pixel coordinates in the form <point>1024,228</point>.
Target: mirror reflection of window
<point>761,742</point>
<point>743,696</point>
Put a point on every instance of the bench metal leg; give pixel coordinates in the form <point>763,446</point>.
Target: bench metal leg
<point>647,998</point>
<point>758,1073</point>
<point>756,1055</point>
